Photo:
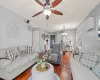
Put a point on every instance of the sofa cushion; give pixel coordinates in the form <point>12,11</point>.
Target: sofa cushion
<point>4,63</point>
<point>89,59</point>
<point>32,56</point>
<point>3,54</point>
<point>96,70</point>
<point>81,72</point>
<point>17,63</point>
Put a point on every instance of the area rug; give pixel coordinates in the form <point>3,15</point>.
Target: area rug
<point>56,77</point>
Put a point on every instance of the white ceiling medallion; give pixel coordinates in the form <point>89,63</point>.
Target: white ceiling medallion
<point>12,30</point>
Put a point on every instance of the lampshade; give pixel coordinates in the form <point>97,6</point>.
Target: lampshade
<point>47,12</point>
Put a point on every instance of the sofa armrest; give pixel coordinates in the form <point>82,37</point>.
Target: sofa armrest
<point>4,63</point>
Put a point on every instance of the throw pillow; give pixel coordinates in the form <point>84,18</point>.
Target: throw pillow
<point>30,50</point>
<point>22,53</point>
<point>11,55</point>
<point>21,48</point>
<point>96,70</point>
<point>89,59</point>
<point>16,52</point>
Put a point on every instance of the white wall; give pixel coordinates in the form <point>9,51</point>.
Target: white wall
<point>89,41</point>
<point>58,37</point>
<point>71,36</point>
<point>25,36</point>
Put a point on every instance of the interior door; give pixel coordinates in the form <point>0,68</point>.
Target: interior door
<point>36,40</point>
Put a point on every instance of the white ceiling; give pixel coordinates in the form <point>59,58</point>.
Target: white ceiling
<point>75,11</point>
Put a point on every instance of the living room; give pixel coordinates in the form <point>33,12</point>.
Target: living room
<point>67,38</point>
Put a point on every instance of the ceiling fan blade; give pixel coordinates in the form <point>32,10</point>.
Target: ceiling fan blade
<point>37,13</point>
<point>47,17</point>
<point>55,3</point>
<point>57,12</point>
<point>40,3</point>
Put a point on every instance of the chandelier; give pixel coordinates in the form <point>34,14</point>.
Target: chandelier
<point>64,33</point>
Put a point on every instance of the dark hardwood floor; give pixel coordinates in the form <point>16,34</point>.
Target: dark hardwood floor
<point>63,70</point>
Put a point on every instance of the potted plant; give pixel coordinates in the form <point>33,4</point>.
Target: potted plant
<point>43,57</point>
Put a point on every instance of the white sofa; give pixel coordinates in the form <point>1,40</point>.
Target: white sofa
<point>80,71</point>
<point>10,69</point>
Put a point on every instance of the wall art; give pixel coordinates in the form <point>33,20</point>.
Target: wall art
<point>12,30</point>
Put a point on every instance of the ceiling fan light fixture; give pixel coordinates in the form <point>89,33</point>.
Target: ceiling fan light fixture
<point>47,12</point>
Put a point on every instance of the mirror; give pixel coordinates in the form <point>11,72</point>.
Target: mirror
<point>98,28</point>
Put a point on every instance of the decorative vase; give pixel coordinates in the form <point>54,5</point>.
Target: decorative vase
<point>43,65</point>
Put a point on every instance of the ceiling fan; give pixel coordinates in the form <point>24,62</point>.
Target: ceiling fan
<point>47,8</point>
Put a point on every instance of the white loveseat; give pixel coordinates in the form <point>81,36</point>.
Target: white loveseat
<point>10,69</point>
<point>80,71</point>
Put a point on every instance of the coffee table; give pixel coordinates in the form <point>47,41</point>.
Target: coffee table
<point>43,75</point>
<point>55,77</point>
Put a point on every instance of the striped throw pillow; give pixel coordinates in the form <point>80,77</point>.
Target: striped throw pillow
<point>11,55</point>
<point>30,50</point>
